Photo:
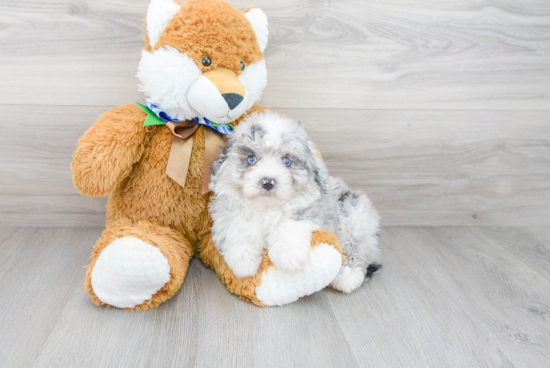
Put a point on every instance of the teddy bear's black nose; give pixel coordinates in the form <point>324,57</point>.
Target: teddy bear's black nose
<point>233,100</point>
<point>268,183</point>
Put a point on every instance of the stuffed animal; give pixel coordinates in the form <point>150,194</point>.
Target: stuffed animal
<point>202,70</point>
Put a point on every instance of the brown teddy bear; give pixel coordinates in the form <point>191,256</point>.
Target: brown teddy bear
<point>202,70</point>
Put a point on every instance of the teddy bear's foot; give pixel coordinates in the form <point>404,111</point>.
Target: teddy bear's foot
<point>128,272</point>
<point>281,287</point>
<point>137,265</point>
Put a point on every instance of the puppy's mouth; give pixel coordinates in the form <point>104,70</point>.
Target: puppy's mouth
<point>268,193</point>
<point>269,190</point>
<point>266,197</point>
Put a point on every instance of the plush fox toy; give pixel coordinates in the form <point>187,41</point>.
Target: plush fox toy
<point>202,70</point>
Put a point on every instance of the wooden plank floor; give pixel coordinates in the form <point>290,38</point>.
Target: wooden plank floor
<point>447,297</point>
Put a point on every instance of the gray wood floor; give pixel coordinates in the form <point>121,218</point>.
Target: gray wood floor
<point>447,297</point>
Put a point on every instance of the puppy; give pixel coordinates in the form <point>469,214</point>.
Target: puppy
<point>272,189</point>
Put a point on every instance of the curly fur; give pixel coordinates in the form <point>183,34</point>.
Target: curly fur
<point>249,219</point>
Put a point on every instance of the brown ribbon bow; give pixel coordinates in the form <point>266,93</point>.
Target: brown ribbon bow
<point>182,146</point>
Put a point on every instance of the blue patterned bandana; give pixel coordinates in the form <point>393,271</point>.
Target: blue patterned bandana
<point>220,128</point>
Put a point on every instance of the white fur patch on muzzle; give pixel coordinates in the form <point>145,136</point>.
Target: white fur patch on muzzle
<point>204,97</point>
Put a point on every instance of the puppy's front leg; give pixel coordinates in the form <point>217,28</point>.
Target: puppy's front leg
<point>242,260</point>
<point>289,245</point>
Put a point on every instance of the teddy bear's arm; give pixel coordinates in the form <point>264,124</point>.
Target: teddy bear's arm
<point>106,153</point>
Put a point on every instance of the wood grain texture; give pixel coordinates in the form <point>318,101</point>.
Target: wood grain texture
<point>446,297</point>
<point>440,110</point>
<point>429,168</point>
<point>468,54</point>
<point>451,297</point>
<point>419,167</point>
<point>39,271</point>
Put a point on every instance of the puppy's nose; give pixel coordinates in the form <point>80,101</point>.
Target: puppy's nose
<point>268,183</point>
<point>233,100</point>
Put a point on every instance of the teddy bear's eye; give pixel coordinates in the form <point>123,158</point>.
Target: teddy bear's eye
<point>252,160</point>
<point>206,61</point>
<point>243,65</point>
<point>287,162</point>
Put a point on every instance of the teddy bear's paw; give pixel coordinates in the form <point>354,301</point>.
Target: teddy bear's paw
<point>243,262</point>
<point>348,279</point>
<point>281,287</point>
<point>128,272</point>
<point>289,257</point>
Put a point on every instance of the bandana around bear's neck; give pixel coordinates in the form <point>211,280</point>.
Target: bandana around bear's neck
<point>220,128</point>
<point>182,143</point>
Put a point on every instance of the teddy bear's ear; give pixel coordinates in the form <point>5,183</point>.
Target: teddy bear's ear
<point>159,14</point>
<point>258,19</point>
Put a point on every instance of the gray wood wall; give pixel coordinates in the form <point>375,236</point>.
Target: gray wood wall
<point>439,109</point>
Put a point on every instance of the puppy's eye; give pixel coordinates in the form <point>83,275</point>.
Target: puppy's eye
<point>243,65</point>
<point>287,162</point>
<point>252,160</point>
<point>206,61</point>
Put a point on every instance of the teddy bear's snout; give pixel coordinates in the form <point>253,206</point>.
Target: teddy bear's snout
<point>218,95</point>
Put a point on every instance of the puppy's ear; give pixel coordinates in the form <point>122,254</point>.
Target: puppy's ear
<point>220,159</point>
<point>318,168</point>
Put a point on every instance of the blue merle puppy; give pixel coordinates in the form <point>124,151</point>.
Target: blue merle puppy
<point>272,189</point>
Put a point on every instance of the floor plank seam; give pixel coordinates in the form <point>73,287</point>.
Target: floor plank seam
<point>334,315</point>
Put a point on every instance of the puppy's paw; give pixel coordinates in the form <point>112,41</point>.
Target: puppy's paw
<point>289,256</point>
<point>348,279</point>
<point>243,263</point>
<point>290,245</point>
